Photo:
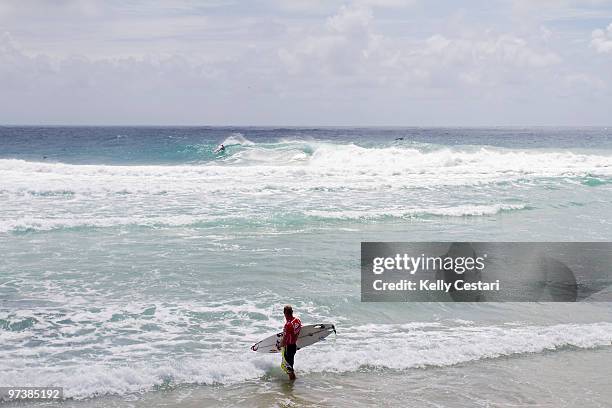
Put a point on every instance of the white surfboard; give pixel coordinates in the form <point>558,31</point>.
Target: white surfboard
<point>309,334</point>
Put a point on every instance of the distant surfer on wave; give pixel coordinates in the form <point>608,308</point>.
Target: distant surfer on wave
<point>220,149</point>
<point>288,345</point>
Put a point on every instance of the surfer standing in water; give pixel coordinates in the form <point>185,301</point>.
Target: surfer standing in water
<point>288,345</point>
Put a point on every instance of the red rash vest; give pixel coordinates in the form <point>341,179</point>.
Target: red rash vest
<point>291,330</point>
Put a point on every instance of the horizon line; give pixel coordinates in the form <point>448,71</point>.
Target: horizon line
<point>313,126</point>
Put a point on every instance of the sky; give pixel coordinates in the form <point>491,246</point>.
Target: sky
<point>306,62</point>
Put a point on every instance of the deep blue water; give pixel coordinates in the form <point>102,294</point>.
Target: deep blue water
<point>170,145</point>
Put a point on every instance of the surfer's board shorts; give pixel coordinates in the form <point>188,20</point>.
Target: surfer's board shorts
<point>288,353</point>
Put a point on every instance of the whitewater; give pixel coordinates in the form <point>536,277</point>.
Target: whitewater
<point>291,180</point>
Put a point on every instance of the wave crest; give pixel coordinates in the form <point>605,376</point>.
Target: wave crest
<point>395,347</point>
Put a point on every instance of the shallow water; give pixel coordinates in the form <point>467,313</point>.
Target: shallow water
<point>543,380</point>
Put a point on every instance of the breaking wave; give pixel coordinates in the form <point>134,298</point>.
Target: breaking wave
<point>370,347</point>
<point>296,181</point>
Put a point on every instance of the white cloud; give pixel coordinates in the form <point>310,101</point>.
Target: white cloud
<point>348,46</point>
<point>565,9</point>
<point>350,19</point>
<point>504,49</point>
<point>342,46</point>
<point>318,6</point>
<point>386,3</point>
<point>601,40</point>
<point>368,62</point>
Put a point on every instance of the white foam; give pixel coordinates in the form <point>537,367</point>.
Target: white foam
<point>401,349</point>
<point>397,347</point>
<point>260,183</point>
<point>456,211</point>
<point>329,166</point>
<point>237,138</point>
<point>29,223</point>
<point>47,224</point>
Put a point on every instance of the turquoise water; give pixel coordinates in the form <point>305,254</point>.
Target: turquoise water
<point>137,264</point>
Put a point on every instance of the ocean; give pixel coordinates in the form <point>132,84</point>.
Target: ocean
<point>137,266</point>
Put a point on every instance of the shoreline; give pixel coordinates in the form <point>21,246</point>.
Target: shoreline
<point>539,379</point>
